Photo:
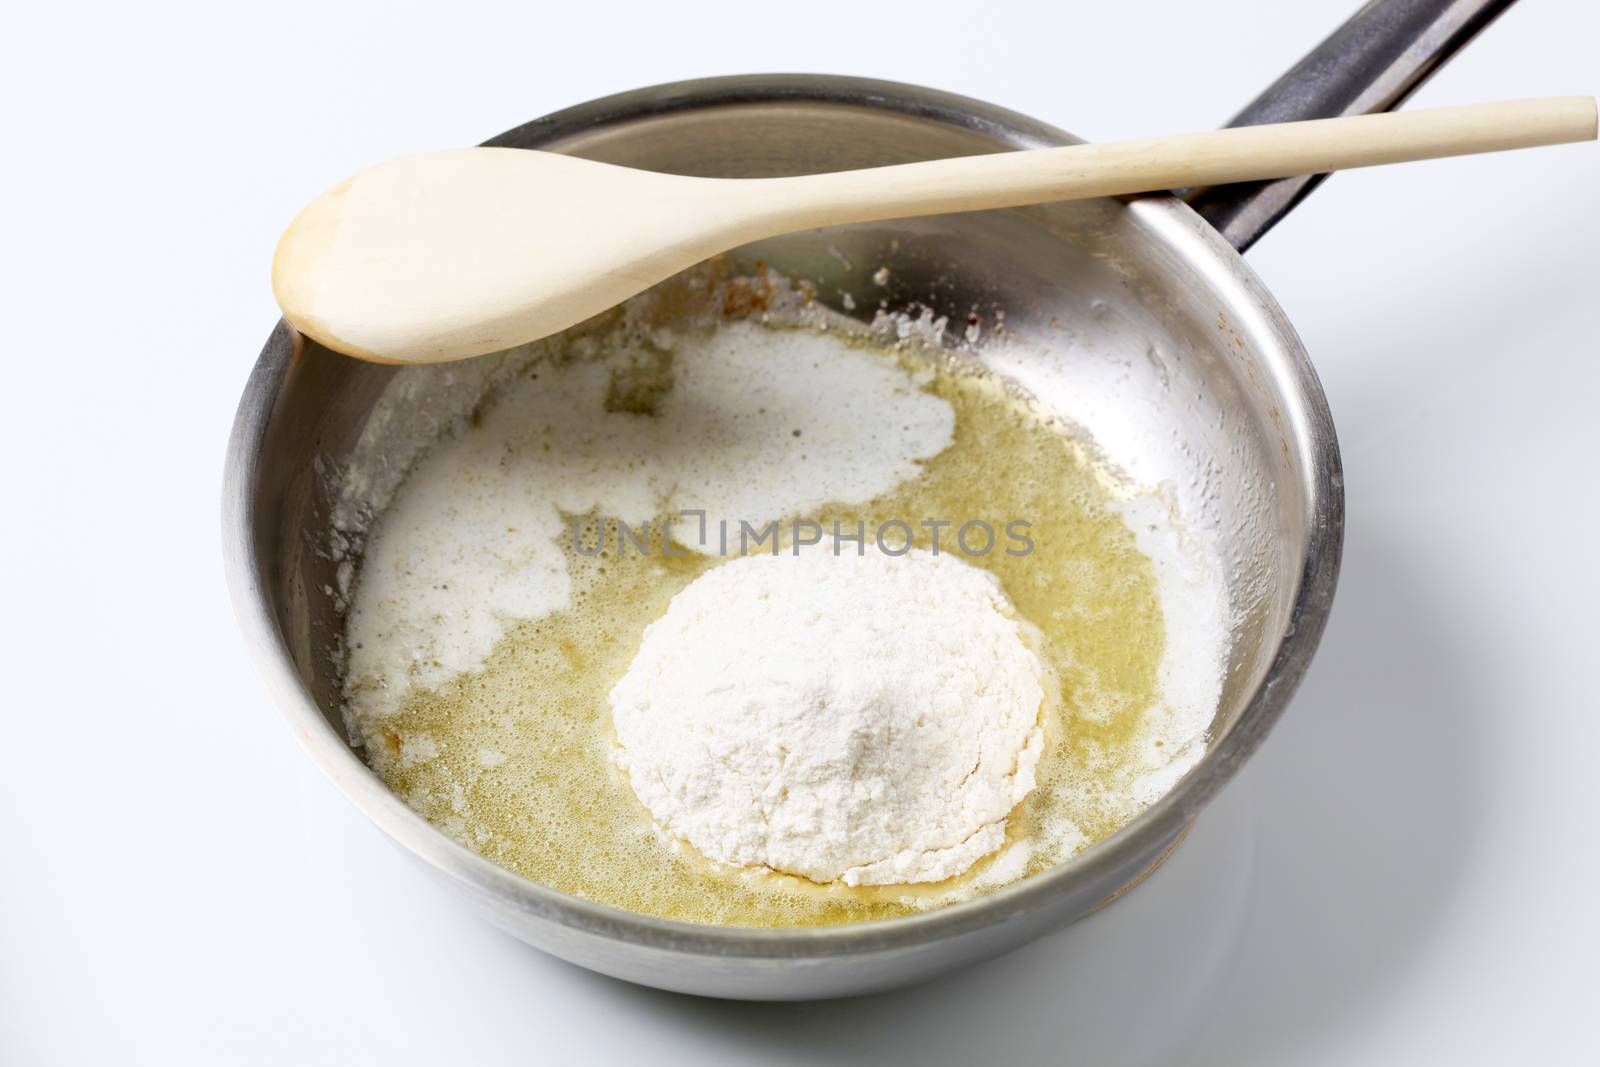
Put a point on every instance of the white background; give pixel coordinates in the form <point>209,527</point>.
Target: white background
<point>1405,872</point>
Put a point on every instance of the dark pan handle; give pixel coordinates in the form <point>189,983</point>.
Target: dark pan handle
<point>1370,64</point>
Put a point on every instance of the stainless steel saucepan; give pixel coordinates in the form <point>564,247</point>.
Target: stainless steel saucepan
<point>1147,329</point>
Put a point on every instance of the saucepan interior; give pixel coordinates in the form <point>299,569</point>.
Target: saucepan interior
<point>1129,318</point>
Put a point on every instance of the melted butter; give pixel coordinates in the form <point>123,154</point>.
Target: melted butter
<point>514,759</point>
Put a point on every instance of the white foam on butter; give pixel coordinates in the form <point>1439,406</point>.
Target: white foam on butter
<point>1195,611</point>
<point>758,424</point>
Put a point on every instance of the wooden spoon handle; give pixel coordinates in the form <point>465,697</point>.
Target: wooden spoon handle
<point>1245,153</point>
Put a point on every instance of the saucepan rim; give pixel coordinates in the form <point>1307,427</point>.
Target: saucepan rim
<point>1306,425</point>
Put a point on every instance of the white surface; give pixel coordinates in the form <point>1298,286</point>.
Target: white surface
<point>1404,873</point>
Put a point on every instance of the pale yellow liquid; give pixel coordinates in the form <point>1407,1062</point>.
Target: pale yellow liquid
<point>523,770</point>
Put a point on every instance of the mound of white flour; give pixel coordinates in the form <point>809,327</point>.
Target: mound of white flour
<point>869,718</point>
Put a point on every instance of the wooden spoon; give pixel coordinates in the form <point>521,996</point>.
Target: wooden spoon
<point>456,253</point>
